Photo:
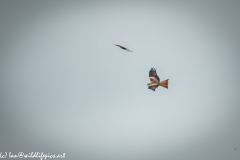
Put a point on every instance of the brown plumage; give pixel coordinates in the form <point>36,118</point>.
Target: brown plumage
<point>123,47</point>
<point>155,81</point>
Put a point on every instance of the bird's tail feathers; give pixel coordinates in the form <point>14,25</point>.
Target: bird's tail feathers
<point>164,83</point>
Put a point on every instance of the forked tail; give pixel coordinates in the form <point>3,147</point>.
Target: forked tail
<point>164,83</point>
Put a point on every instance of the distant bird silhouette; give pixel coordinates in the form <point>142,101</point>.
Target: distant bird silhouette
<point>123,47</point>
<point>155,81</point>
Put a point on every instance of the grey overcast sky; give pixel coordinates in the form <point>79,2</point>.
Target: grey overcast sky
<point>65,87</point>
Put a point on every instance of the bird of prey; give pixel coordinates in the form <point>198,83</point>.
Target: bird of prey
<point>155,81</point>
<point>123,47</point>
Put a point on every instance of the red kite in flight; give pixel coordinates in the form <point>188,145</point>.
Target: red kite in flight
<point>123,47</point>
<point>155,81</point>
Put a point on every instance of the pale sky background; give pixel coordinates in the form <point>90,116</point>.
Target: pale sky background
<point>65,87</point>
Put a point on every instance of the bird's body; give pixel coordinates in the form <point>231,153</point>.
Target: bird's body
<point>155,81</point>
<point>123,47</point>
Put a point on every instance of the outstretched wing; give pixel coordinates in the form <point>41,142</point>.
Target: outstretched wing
<point>152,87</point>
<point>123,47</point>
<point>129,50</point>
<point>120,46</point>
<point>153,73</point>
